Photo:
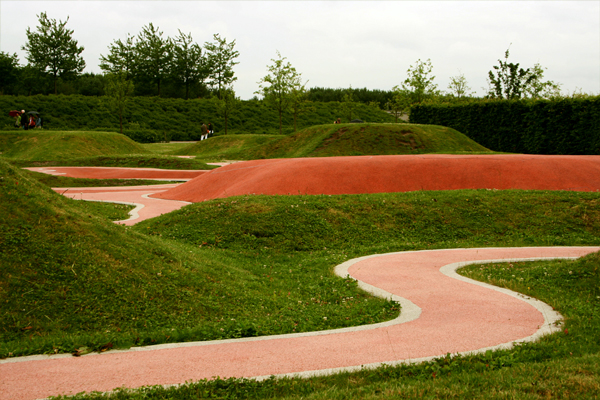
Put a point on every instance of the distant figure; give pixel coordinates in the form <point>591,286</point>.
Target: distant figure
<point>203,132</point>
<point>24,120</point>
<point>210,130</point>
<point>31,122</point>
<point>38,122</point>
<point>18,120</point>
<point>338,121</point>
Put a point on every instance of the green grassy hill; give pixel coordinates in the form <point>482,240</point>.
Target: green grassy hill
<point>72,281</point>
<point>42,145</point>
<point>337,140</point>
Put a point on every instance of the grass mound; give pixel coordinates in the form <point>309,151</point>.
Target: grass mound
<point>229,147</point>
<point>338,140</point>
<point>383,222</point>
<point>56,145</point>
<point>71,281</point>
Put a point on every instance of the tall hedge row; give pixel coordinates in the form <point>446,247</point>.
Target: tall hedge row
<point>154,118</point>
<point>565,126</point>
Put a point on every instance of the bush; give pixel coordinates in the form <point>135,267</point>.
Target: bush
<point>153,118</point>
<point>565,126</point>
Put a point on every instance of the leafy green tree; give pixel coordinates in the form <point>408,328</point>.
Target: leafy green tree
<point>32,80</point>
<point>508,81</point>
<point>419,82</point>
<point>226,104</point>
<point>536,89</point>
<point>281,86</point>
<point>348,105</point>
<point>189,67</point>
<point>121,57</point>
<point>220,62</point>
<point>400,102</point>
<point>459,87</point>
<point>299,102</point>
<point>9,71</point>
<point>153,55</point>
<point>118,89</point>
<point>52,49</point>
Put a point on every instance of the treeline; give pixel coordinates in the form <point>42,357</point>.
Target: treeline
<point>152,119</point>
<point>559,126</point>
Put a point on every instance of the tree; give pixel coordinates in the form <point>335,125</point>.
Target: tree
<point>299,102</point>
<point>153,55</point>
<point>458,86</point>
<point>118,89</point>
<point>9,71</point>
<point>226,104</point>
<point>400,102</point>
<point>419,82</point>
<point>536,89</point>
<point>348,105</point>
<point>188,63</point>
<point>220,56</point>
<point>52,49</point>
<point>508,81</point>
<point>121,57</point>
<point>279,86</point>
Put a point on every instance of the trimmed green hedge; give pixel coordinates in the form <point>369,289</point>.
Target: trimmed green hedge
<point>565,126</point>
<point>148,119</point>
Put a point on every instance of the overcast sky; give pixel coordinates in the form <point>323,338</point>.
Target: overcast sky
<point>339,44</point>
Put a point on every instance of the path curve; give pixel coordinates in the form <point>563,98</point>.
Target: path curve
<point>121,173</point>
<point>441,315</point>
<point>138,196</point>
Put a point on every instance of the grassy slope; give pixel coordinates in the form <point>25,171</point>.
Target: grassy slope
<point>71,279</point>
<point>338,140</point>
<point>48,145</point>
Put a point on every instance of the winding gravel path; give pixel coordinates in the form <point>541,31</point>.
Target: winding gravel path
<point>440,314</point>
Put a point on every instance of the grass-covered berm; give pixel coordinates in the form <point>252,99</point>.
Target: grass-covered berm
<point>337,140</point>
<point>100,149</point>
<point>72,281</point>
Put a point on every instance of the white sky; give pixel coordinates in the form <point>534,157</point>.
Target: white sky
<point>339,44</point>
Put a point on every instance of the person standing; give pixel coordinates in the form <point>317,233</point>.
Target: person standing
<point>203,132</point>
<point>24,120</point>
<point>210,129</point>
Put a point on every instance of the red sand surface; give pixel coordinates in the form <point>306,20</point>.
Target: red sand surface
<point>400,173</point>
<point>452,316</point>
<point>120,173</point>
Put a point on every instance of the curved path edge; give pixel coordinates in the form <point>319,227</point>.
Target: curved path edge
<point>294,354</point>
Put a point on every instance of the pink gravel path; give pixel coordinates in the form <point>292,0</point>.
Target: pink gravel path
<point>120,173</point>
<point>440,315</point>
<point>146,207</point>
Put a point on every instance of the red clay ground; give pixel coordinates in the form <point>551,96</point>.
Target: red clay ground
<point>440,314</point>
<point>401,173</point>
